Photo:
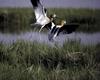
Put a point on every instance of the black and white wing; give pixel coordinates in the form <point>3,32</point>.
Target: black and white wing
<point>68,28</point>
<point>40,11</point>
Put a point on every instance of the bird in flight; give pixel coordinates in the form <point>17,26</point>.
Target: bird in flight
<point>41,15</point>
<point>62,28</point>
<point>45,21</point>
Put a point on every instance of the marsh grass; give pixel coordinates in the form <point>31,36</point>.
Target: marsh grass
<point>24,60</point>
<point>35,61</point>
<point>19,19</point>
<point>15,19</point>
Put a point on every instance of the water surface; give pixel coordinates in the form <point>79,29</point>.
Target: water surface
<point>84,38</point>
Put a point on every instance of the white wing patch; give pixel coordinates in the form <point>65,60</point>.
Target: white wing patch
<point>39,11</point>
<point>53,25</point>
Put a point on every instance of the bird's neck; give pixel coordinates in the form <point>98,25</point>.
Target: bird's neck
<point>59,26</point>
<point>62,24</point>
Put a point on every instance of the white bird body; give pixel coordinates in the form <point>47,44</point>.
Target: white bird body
<point>43,20</point>
<point>41,14</point>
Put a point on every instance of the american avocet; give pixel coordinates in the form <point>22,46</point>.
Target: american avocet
<point>62,28</point>
<point>41,15</point>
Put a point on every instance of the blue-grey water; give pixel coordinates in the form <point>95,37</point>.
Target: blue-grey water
<point>53,3</point>
<point>84,38</point>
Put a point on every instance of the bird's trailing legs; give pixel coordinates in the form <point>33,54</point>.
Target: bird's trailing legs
<point>53,33</point>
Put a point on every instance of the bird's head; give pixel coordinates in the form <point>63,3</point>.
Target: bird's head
<point>63,22</point>
<point>54,16</point>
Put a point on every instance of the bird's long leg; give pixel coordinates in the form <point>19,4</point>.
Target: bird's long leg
<point>56,33</point>
<point>41,28</point>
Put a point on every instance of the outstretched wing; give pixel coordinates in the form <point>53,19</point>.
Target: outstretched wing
<point>39,10</point>
<point>68,28</point>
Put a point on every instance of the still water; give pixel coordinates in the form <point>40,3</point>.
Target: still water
<point>84,38</point>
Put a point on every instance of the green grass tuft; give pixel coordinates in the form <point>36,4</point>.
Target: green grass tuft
<point>35,61</point>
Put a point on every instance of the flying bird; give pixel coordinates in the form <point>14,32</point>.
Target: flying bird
<point>41,15</point>
<point>48,22</point>
<point>62,28</point>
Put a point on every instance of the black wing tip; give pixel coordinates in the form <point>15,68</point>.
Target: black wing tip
<point>73,24</point>
<point>35,3</point>
<point>72,28</point>
<point>69,28</point>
